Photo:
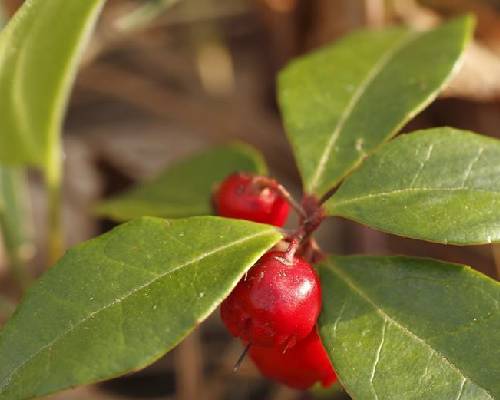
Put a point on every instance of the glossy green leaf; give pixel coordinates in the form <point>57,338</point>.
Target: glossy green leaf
<point>184,189</point>
<point>343,101</point>
<point>409,328</point>
<point>39,52</point>
<point>441,185</point>
<point>118,302</point>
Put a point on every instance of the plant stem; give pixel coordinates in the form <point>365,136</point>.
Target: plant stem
<point>327,195</point>
<point>301,241</point>
<point>53,176</point>
<point>273,184</point>
<point>288,197</point>
<point>14,223</point>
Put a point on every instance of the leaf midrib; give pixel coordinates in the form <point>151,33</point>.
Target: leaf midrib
<point>403,328</point>
<point>384,60</point>
<point>406,190</point>
<point>119,300</point>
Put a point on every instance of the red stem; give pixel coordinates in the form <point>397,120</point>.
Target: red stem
<point>273,184</point>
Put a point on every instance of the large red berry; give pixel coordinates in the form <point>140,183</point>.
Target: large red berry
<point>242,196</point>
<point>299,367</point>
<point>277,303</point>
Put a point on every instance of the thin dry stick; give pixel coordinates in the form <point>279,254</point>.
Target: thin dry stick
<point>375,13</point>
<point>125,25</point>
<point>241,358</point>
<point>229,119</point>
<point>188,368</point>
<point>214,390</point>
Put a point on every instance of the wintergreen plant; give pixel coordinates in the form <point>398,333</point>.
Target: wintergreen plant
<point>394,327</point>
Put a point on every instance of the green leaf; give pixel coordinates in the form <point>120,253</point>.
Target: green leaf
<point>441,185</point>
<point>118,302</point>
<point>15,221</point>
<point>39,53</point>
<point>343,101</point>
<point>184,189</point>
<point>410,328</point>
<point>13,191</point>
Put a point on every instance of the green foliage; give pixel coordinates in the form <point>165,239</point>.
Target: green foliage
<point>11,206</point>
<point>14,226</point>
<point>118,302</point>
<point>343,101</point>
<point>441,185</point>
<point>395,327</point>
<point>184,189</point>
<point>39,51</point>
<point>409,328</point>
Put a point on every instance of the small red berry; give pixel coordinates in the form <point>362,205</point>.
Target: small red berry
<point>299,367</point>
<point>276,304</point>
<point>241,196</point>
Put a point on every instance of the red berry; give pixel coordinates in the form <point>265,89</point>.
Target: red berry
<point>240,196</point>
<point>276,304</point>
<point>299,367</point>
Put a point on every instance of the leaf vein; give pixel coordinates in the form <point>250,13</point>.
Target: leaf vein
<point>407,190</point>
<point>342,275</point>
<point>461,389</point>
<point>337,320</point>
<point>377,358</point>
<point>91,315</point>
<point>471,166</point>
<point>364,84</point>
<point>426,369</point>
<point>422,165</point>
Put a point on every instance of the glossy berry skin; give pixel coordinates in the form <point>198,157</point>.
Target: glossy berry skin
<point>240,196</point>
<point>299,367</point>
<point>276,304</point>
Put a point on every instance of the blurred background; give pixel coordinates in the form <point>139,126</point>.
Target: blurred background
<point>162,79</point>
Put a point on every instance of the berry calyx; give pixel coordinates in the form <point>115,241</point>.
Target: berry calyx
<point>276,304</point>
<point>244,196</point>
<point>299,367</point>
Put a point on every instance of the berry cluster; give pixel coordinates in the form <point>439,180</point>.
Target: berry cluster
<point>274,308</point>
